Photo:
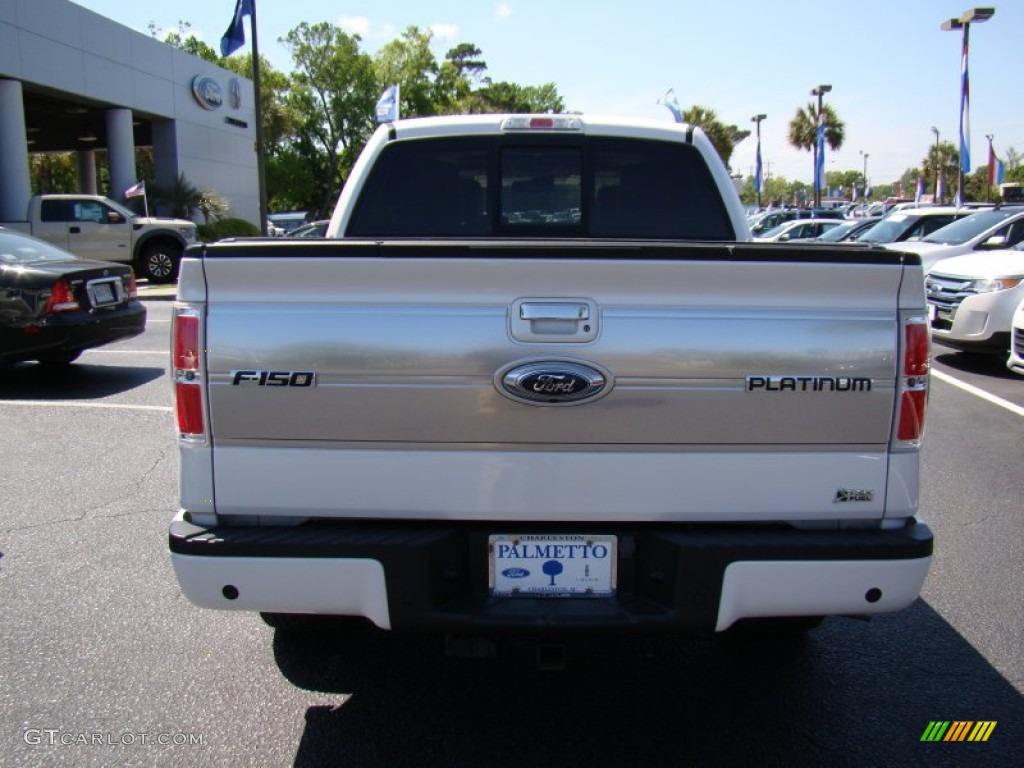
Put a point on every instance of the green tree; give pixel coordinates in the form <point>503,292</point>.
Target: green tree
<point>942,160</point>
<point>803,128</point>
<point>723,137</point>
<point>184,40</point>
<point>332,97</point>
<point>408,62</point>
<point>508,97</point>
<point>180,196</point>
<point>53,172</point>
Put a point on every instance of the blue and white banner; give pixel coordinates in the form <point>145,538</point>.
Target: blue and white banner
<point>757,167</point>
<point>670,102</point>
<point>387,105</point>
<point>819,172</point>
<point>919,190</point>
<point>965,104</point>
<point>234,38</point>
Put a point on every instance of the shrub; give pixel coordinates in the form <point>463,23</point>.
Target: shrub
<point>218,230</point>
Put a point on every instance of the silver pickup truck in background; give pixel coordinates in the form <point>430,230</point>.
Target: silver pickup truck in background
<point>96,227</point>
<point>538,380</point>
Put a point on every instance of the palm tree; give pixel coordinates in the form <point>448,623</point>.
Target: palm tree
<point>803,128</point>
<point>723,137</point>
<point>181,196</point>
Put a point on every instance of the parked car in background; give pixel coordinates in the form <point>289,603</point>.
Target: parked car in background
<point>799,229</point>
<point>972,298</point>
<point>847,230</point>
<point>986,230</point>
<point>313,229</point>
<point>1016,361</point>
<point>772,218</point>
<point>288,220</point>
<point>54,305</point>
<point>911,223</point>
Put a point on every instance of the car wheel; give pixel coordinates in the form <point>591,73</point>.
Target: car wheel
<point>59,358</point>
<point>159,263</point>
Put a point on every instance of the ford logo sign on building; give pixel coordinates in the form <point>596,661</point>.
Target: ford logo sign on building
<point>553,382</point>
<point>207,92</point>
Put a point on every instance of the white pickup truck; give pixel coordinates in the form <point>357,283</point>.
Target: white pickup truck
<point>96,227</point>
<point>537,380</point>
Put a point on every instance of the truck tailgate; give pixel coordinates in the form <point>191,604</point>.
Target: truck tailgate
<point>738,383</point>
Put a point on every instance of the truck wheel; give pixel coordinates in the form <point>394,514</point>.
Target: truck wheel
<point>159,263</point>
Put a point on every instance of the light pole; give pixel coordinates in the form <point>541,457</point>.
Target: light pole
<point>970,16</point>
<point>820,91</point>
<point>865,173</point>
<point>757,168</point>
<point>936,132</point>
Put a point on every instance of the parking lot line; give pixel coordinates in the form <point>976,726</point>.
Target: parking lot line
<point>977,392</point>
<point>73,404</point>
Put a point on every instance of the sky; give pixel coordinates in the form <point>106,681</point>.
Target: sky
<point>895,74</point>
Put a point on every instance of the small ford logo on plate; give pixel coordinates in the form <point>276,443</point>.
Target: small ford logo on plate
<point>554,382</point>
<point>515,573</point>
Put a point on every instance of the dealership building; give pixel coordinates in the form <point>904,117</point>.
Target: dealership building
<point>74,81</point>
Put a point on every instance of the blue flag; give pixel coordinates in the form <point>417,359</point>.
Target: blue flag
<point>234,38</point>
<point>387,105</point>
<point>670,101</point>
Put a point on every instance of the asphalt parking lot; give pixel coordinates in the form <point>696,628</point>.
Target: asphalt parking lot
<point>105,663</point>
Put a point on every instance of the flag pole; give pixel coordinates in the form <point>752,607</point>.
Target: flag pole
<point>260,170</point>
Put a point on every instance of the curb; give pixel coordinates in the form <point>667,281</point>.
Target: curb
<point>158,292</point>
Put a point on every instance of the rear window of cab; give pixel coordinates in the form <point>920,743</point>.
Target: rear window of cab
<point>541,187</point>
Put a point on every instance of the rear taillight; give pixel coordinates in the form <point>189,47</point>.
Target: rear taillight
<point>186,359</point>
<point>913,380</point>
<point>62,299</point>
<point>131,286</point>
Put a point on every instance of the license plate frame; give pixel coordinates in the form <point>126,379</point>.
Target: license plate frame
<point>103,293</point>
<point>552,565</point>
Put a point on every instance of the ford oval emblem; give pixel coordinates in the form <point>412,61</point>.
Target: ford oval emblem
<point>515,573</point>
<point>555,382</point>
<point>207,92</point>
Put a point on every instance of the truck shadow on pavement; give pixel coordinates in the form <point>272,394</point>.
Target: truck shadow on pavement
<point>851,693</point>
<point>78,381</point>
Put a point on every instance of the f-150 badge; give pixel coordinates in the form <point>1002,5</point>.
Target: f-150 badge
<point>555,382</point>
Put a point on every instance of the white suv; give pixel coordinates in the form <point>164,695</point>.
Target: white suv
<point>987,230</point>
<point>1016,361</point>
<point>972,298</point>
<point>910,223</point>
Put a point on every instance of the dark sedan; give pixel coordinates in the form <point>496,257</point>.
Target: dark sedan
<point>54,305</point>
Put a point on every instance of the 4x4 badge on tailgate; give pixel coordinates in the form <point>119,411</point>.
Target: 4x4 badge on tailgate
<point>553,382</point>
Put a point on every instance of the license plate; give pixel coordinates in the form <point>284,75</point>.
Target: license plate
<point>102,293</point>
<point>552,566</point>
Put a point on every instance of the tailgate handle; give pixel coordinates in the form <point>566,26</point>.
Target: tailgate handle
<point>545,311</point>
